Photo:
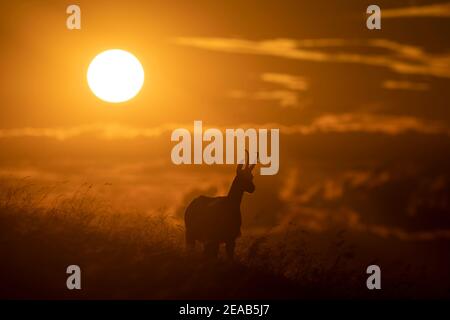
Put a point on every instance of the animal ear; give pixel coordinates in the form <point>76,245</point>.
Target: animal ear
<point>247,161</point>
<point>239,167</point>
<point>251,166</point>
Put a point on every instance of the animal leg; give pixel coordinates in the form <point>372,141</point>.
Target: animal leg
<point>230,245</point>
<point>211,249</point>
<point>190,241</point>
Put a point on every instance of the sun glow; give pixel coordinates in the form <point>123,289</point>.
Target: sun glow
<point>115,76</point>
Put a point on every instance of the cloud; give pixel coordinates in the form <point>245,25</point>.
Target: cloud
<point>433,10</point>
<point>339,123</point>
<point>286,97</point>
<point>383,231</point>
<point>101,130</point>
<point>286,80</point>
<point>400,58</point>
<point>405,85</point>
<point>305,211</point>
<point>369,123</point>
<point>330,189</point>
<point>322,219</point>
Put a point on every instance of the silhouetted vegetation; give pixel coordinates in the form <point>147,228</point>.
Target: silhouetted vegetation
<point>126,254</point>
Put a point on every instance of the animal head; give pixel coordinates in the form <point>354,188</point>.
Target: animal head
<point>244,175</point>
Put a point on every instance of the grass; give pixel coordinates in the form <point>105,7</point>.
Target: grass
<point>134,255</point>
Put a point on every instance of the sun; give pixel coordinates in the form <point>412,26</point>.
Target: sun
<point>115,76</point>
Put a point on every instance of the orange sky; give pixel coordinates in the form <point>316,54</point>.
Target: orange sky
<point>362,113</point>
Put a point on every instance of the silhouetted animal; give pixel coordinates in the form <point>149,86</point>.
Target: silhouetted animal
<point>218,220</point>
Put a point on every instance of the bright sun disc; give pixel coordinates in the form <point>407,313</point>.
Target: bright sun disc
<point>115,76</point>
